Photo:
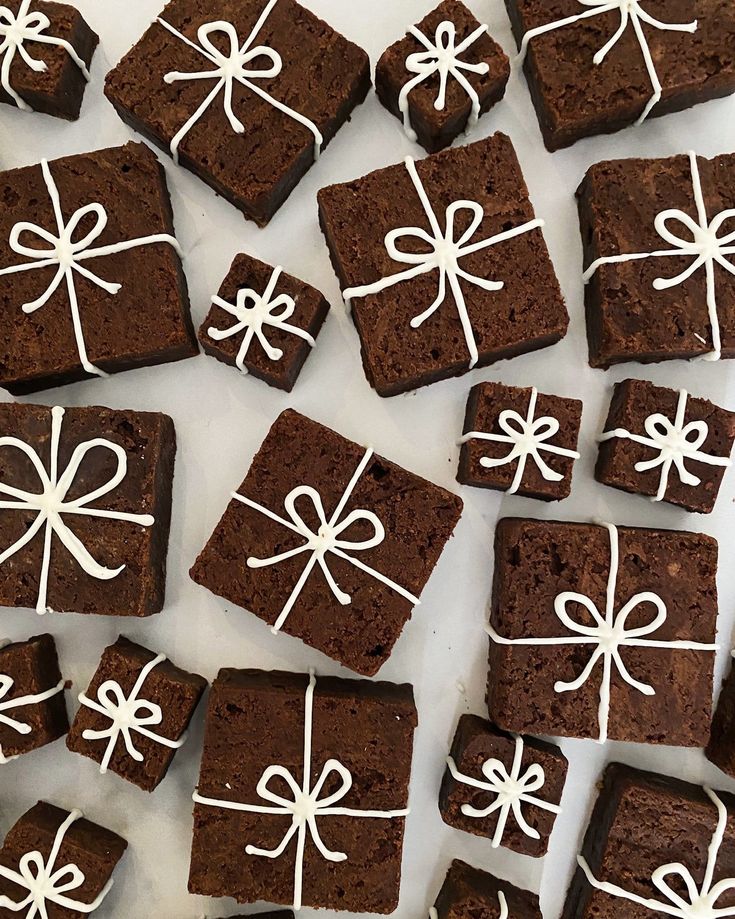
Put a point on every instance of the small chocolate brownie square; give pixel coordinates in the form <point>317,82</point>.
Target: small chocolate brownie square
<point>600,631</point>
<point>277,740</point>
<point>504,787</point>
<point>655,846</point>
<point>86,527</point>
<point>665,444</point>
<point>721,747</point>
<point>519,441</point>
<point>280,84</point>
<point>442,76</point>
<point>264,322</point>
<point>162,698</point>
<point>329,542</point>
<point>469,893</point>
<point>32,702</point>
<point>118,299</point>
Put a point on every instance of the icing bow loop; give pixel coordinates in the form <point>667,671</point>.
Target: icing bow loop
<point>675,444</point>
<point>704,243</point>
<point>527,437</point>
<point>532,780</point>
<point>15,30</point>
<point>700,904</point>
<point>45,885</point>
<point>127,715</point>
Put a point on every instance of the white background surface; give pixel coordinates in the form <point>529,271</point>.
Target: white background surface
<point>221,419</point>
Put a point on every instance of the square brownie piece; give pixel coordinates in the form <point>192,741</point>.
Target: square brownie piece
<point>655,845</point>
<point>107,476</point>
<point>503,787</point>
<point>469,893</point>
<point>264,322</point>
<point>435,105</point>
<point>597,70</point>
<point>604,632</point>
<point>291,81</point>
<point>276,739</point>
<point>329,542</point>
<point>721,747</point>
<point>491,295</point>
<point>519,441</point>
<point>665,444</point>
<point>163,699</point>
<point>32,702</point>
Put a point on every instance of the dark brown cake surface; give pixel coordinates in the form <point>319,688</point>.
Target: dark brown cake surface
<point>469,893</point>
<point>721,747</point>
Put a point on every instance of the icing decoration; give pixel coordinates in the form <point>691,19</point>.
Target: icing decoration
<point>607,636</point>
<point>66,254</point>
<point>442,56</point>
<point>50,504</point>
<point>631,13</point>
<point>46,884</point>
<point>251,319</point>
<point>504,914</point>
<point>706,247</point>
<point>700,902</point>
<point>676,443</point>
<point>308,804</point>
<point>19,28</point>
<point>237,65</point>
<point>511,789</point>
<point>529,437</point>
<point>328,538</point>
<point>444,256</point>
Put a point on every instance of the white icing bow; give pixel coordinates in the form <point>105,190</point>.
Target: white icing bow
<point>6,704</point>
<point>51,504</point>
<point>443,256</point>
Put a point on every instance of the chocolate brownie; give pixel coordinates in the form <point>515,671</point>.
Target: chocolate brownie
<point>290,82</point>
<point>600,631</point>
<point>442,76</point>
<point>105,475</point>
<point>60,46</point>
<point>653,292</point>
<point>665,444</point>
<point>162,698</point>
<point>32,703</point>
<point>469,893</point>
<point>329,542</point>
<point>118,299</point>
<point>596,68</point>
<point>503,787</point>
<point>343,746</point>
<point>264,322</point>
<point>519,441</point>
<point>655,845</point>
<point>479,286</point>
<point>721,747</point>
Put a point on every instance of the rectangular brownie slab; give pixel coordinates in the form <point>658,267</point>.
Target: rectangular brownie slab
<point>721,747</point>
<point>469,893</point>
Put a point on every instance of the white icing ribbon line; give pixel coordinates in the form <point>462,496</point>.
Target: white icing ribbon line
<point>631,12</point>
<point>49,885</point>
<point>706,247</point>
<point>66,255</point>
<point>701,900</point>
<point>676,443</point>
<point>238,65</point>
<point>502,902</point>
<point>511,789</point>
<point>128,714</point>
<point>307,805</point>
<point>444,257</point>
<point>50,504</point>
<point>266,310</point>
<point>15,30</point>
<point>442,57</point>
<point>529,437</point>
<point>325,540</point>
<point>607,636</point>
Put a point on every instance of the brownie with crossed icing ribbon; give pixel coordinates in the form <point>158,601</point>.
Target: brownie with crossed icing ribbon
<point>468,892</point>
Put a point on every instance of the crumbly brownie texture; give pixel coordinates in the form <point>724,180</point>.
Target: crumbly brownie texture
<point>630,317</point>
<point>487,764</point>
<point>315,481</point>
<point>645,824</point>
<point>261,299</point>
<point>117,463</point>
<point>408,80</point>
<point>576,96</point>
<point>257,726</point>
<point>652,433</point>
<point>114,198</point>
<point>721,747</point>
<point>524,442</point>
<point>469,893</point>
<point>321,77</point>
<point>551,582</point>
<point>164,687</point>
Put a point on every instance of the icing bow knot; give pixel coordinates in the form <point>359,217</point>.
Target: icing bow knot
<point>675,444</point>
<point>528,438</point>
